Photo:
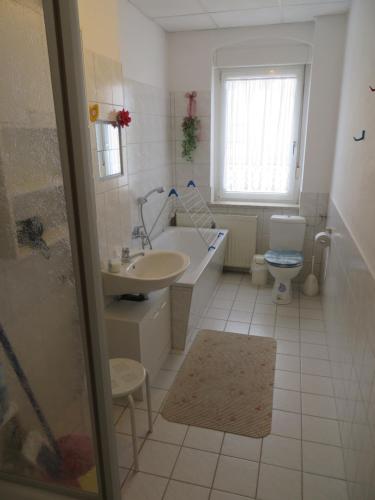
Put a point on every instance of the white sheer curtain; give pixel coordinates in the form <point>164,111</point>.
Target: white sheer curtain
<point>258,134</point>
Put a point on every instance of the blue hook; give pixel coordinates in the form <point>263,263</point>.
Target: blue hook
<point>172,192</point>
<point>191,184</point>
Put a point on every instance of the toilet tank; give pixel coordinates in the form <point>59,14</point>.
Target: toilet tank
<point>287,232</point>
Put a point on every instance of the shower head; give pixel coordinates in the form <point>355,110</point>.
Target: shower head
<point>143,199</point>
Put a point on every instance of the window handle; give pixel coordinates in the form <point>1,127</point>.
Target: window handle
<point>294,146</point>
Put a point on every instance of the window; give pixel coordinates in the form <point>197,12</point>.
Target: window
<point>260,129</point>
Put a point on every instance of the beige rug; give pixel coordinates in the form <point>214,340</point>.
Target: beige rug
<point>226,384</point>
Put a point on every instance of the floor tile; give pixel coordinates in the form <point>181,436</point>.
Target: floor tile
<point>141,422</point>
<point>288,363</point>
<point>243,316</point>
<point>311,313</point>
<point>236,476</point>
<point>286,347</point>
<point>164,379</point>
<point>312,324</point>
<point>168,432</point>
<point>265,309</point>
<point>125,450</point>
<point>157,399</point>
<point>216,313</point>
<point>287,321</point>
<point>225,294</point>
<point>323,488</point>
<point>184,491</point>
<point>318,406</point>
<point>243,305</point>
<point>212,324</point>
<point>261,330</point>
<point>310,303</point>
<point>196,467</point>
<point>277,483</point>
<point>282,451</point>
<point>158,458</point>
<point>140,486</point>
<point>263,319</point>
<point>323,459</point>
<point>287,380</point>
<point>222,303</point>
<point>317,385</point>
<point>237,327</point>
<point>314,351</point>
<point>228,277</point>
<point>264,299</point>
<point>204,439</point>
<point>292,312</point>
<point>223,495</point>
<point>290,334</point>
<point>313,337</point>
<point>116,413</point>
<point>286,424</point>
<point>241,447</point>
<point>122,474</point>
<point>320,430</point>
<point>316,367</point>
<point>287,400</point>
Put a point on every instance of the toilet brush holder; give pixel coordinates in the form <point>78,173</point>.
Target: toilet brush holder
<point>311,286</point>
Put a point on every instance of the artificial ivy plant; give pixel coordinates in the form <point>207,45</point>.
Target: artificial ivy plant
<point>190,128</point>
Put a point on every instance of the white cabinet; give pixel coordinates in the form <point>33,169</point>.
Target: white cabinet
<point>141,330</point>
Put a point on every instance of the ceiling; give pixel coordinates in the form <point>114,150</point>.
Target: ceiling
<point>186,15</point>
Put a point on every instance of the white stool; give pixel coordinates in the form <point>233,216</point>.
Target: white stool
<point>127,376</point>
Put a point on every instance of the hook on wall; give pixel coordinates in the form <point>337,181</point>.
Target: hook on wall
<point>372,88</point>
<point>362,138</point>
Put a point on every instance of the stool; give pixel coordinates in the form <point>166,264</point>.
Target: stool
<point>127,376</point>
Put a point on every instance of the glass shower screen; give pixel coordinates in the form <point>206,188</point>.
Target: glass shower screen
<point>46,428</point>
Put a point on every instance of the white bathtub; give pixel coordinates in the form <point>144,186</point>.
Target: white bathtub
<point>191,293</point>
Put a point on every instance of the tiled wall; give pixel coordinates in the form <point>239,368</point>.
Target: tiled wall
<point>146,153</point>
<point>312,205</point>
<point>348,299</point>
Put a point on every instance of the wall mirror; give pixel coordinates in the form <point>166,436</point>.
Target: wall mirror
<point>108,146</point>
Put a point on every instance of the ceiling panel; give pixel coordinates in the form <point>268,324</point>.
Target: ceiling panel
<point>186,23</point>
<point>164,8</point>
<point>252,17</point>
<point>300,13</point>
<point>186,15</point>
<point>223,5</point>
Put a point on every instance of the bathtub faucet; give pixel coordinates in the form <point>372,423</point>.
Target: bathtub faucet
<point>140,232</point>
<point>141,201</point>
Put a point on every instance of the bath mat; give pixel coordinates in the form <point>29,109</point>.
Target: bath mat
<point>225,384</point>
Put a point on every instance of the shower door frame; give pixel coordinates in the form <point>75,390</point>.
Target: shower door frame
<point>66,66</point>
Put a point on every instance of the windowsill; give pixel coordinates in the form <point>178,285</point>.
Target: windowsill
<point>255,204</point>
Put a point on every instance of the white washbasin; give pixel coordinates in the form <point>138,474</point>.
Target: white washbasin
<point>153,271</point>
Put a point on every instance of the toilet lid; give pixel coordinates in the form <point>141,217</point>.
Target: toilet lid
<point>283,258</point>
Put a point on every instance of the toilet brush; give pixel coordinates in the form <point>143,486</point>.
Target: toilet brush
<point>311,286</point>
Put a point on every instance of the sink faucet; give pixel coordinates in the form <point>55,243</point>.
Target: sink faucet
<point>126,257</point>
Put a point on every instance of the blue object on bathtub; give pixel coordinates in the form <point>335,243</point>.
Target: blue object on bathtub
<point>4,399</point>
<point>211,247</point>
<point>11,355</point>
<point>220,234</point>
<point>191,184</point>
<point>173,192</point>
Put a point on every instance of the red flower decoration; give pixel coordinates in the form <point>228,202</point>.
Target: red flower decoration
<point>123,118</point>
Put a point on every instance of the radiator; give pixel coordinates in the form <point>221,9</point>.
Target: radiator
<point>241,242</point>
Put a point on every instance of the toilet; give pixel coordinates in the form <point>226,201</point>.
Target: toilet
<point>285,259</point>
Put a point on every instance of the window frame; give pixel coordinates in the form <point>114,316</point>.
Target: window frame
<point>223,74</point>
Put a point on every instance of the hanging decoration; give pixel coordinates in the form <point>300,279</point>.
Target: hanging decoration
<point>123,119</point>
<point>94,112</point>
<point>190,128</point>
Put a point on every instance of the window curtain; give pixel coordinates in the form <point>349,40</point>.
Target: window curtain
<point>258,141</point>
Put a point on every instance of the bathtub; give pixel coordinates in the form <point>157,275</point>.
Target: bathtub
<point>191,293</point>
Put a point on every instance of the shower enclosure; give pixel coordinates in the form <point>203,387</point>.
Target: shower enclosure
<point>56,433</point>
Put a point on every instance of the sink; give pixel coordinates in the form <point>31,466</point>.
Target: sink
<point>155,270</point>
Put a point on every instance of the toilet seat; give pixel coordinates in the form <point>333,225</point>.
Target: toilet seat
<point>284,258</point>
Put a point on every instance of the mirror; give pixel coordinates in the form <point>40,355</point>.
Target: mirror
<point>108,146</point>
